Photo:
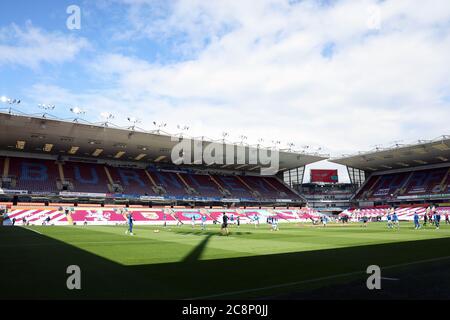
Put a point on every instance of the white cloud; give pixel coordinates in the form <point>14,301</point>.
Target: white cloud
<point>261,72</point>
<point>31,46</point>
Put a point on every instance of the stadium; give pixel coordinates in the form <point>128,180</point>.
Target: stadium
<point>70,185</point>
<point>212,152</point>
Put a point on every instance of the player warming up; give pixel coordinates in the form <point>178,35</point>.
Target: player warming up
<point>416,221</point>
<point>395,221</point>
<point>129,216</point>
<point>224,227</point>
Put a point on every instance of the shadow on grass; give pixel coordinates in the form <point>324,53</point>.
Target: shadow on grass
<point>35,267</point>
<point>209,233</point>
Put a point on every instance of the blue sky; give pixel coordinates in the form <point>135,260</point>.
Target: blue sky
<point>338,75</point>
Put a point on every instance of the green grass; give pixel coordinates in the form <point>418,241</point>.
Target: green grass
<point>181,262</point>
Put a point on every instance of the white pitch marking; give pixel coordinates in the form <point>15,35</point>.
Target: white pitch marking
<point>389,279</point>
<point>289,284</point>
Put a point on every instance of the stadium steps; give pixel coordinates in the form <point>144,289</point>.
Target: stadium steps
<point>60,171</point>
<point>160,190</point>
<point>443,184</point>
<point>108,174</point>
<point>404,187</point>
<point>255,193</point>
<point>189,189</point>
<point>272,186</point>
<point>370,191</point>
<point>114,187</point>
<point>286,186</point>
<point>149,176</point>
<point>224,191</point>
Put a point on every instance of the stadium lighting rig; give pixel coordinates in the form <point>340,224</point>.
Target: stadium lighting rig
<point>317,151</point>
<point>224,135</point>
<point>397,143</point>
<point>183,129</point>
<point>305,149</point>
<point>9,101</point>
<point>46,107</point>
<point>133,121</point>
<point>290,145</point>
<point>260,141</point>
<point>378,147</point>
<point>106,116</point>
<point>159,125</point>
<point>78,111</point>
<point>242,138</point>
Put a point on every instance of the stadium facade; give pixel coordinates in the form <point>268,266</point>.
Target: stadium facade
<point>75,171</point>
<point>406,174</point>
<point>51,160</point>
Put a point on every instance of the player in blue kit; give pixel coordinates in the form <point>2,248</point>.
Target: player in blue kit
<point>416,221</point>
<point>324,220</point>
<point>389,220</point>
<point>395,221</point>
<point>256,220</point>
<point>437,219</point>
<point>129,216</point>
<point>203,222</point>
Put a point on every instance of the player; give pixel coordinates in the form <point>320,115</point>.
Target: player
<point>256,220</point>
<point>389,220</point>
<point>165,219</point>
<point>324,220</point>
<point>431,215</point>
<point>224,226</point>
<point>365,219</point>
<point>437,219</point>
<point>447,221</point>
<point>193,221</point>
<point>46,221</point>
<point>130,219</point>
<point>85,222</point>
<point>416,221</point>
<point>238,221</point>
<point>274,224</point>
<point>425,217</point>
<point>395,221</point>
<point>203,222</point>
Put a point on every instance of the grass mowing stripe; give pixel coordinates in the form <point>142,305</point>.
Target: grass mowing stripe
<point>290,284</point>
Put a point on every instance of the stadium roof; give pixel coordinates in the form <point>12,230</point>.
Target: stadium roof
<point>79,138</point>
<point>428,152</point>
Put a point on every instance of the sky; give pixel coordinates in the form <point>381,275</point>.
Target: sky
<point>337,76</point>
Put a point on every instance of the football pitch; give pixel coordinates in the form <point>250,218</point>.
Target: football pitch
<point>188,263</point>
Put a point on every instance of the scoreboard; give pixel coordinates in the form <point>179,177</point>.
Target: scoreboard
<point>324,176</point>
